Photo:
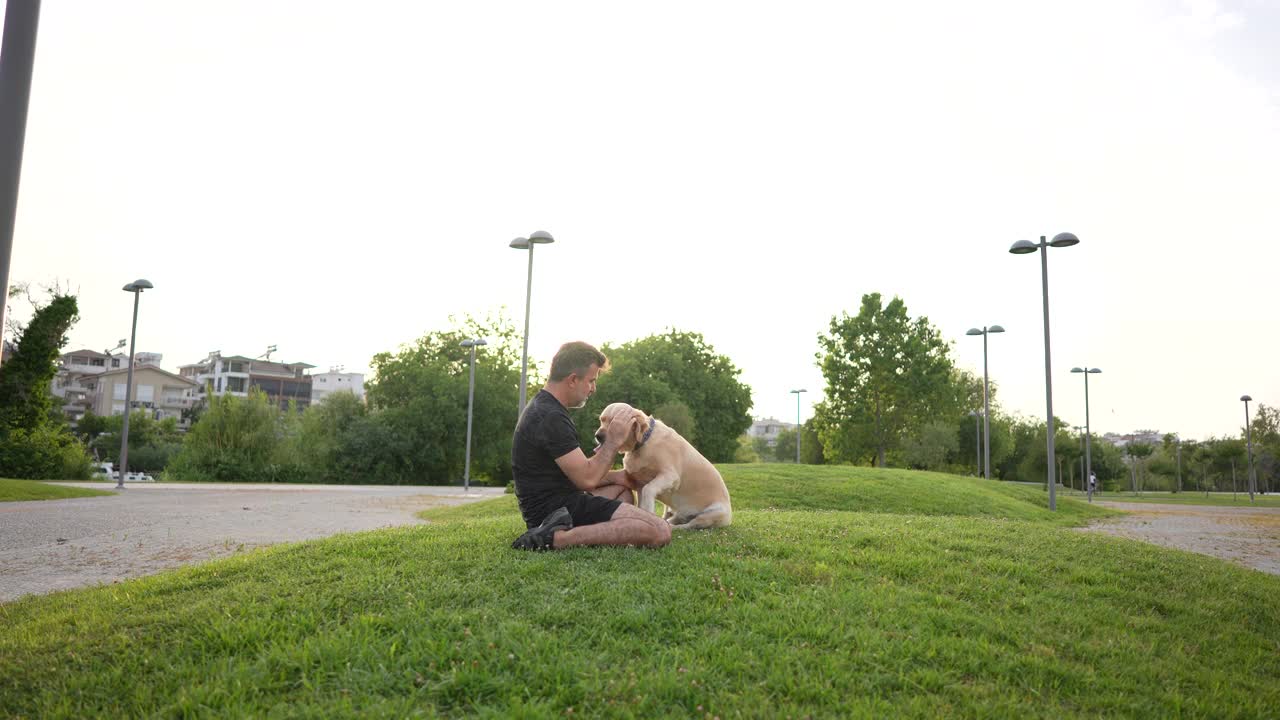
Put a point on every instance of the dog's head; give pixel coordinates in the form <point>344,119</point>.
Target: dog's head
<point>639,424</point>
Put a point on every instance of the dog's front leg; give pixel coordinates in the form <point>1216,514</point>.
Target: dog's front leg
<point>650,492</point>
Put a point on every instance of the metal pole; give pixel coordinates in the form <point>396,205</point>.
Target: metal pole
<point>986,408</point>
<point>1233,479</point>
<point>1048,374</point>
<point>524,355</point>
<point>1249,434</point>
<point>1088,456</point>
<point>128,396</point>
<point>1179,464</point>
<point>471,395</point>
<point>17,57</point>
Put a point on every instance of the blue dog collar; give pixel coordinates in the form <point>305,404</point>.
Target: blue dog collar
<point>653,422</point>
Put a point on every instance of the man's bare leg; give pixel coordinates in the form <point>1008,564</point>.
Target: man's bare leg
<point>629,526</point>
<point>621,493</point>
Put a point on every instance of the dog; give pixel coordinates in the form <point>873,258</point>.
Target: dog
<point>664,466</point>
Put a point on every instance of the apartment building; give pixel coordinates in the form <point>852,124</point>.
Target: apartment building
<point>75,384</point>
<point>236,374</point>
<point>163,393</point>
<point>325,384</point>
<point>768,428</point>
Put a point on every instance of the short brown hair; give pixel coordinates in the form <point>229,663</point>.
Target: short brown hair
<point>576,357</point>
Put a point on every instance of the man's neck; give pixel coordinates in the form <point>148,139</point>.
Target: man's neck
<point>559,392</point>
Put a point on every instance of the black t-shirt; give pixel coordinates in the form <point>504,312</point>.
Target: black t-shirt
<point>544,433</point>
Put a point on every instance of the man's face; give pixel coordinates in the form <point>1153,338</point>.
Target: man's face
<point>583,387</point>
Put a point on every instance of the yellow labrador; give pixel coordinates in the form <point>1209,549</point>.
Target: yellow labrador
<point>666,467</point>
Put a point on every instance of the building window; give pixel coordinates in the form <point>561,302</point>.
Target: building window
<point>219,389</point>
<point>235,384</point>
<point>97,362</point>
<point>117,392</point>
<point>146,393</point>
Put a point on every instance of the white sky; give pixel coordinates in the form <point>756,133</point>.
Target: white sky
<point>337,179</point>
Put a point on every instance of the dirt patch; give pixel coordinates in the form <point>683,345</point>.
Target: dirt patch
<point>1245,536</point>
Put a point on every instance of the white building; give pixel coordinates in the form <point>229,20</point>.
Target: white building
<point>76,385</point>
<point>768,428</point>
<point>235,374</point>
<point>325,384</point>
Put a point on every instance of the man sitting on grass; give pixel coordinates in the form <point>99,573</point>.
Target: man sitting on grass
<point>565,497</point>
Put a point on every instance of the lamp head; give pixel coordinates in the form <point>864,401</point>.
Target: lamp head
<point>1094,370</point>
<point>973,331</point>
<point>1022,247</point>
<point>995,329</point>
<point>1245,398</point>
<point>797,392</point>
<point>1064,239</point>
<point>1077,370</point>
<point>520,243</point>
<point>541,237</point>
<point>138,286</point>
<point>474,343</point>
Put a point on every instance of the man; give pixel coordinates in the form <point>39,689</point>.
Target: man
<point>566,498</point>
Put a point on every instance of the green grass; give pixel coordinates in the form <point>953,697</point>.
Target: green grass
<point>838,592</point>
<point>1188,497</point>
<point>15,490</point>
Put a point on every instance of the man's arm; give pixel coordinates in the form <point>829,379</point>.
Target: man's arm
<point>585,473</point>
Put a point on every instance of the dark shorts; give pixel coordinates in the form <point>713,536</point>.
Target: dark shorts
<point>588,509</point>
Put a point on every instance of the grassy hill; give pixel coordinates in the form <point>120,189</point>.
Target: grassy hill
<point>16,490</point>
<point>839,592</point>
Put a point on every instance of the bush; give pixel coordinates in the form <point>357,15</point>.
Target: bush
<point>46,453</point>
<point>151,458</point>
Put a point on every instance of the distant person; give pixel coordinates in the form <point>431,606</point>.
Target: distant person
<point>1093,483</point>
<point>565,497</point>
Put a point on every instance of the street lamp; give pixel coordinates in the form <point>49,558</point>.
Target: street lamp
<point>986,392</point>
<point>540,237</point>
<point>1083,441</point>
<point>1023,247</point>
<point>1253,478</point>
<point>797,394</point>
<point>1088,457</point>
<point>471,396</point>
<point>136,287</point>
<point>977,437</point>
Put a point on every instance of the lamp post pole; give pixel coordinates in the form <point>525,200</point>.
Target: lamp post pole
<point>136,287</point>
<point>1249,435</point>
<point>17,58</point>
<point>540,237</point>
<point>985,471</point>
<point>798,427</point>
<point>1023,247</point>
<point>1088,448</point>
<point>471,396</point>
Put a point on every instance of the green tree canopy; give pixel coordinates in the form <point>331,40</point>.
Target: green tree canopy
<point>675,367</point>
<point>887,374</point>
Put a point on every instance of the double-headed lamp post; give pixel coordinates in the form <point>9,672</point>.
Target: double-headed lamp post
<point>471,396</point>
<point>986,393</point>
<point>1023,247</point>
<point>136,287</point>
<point>1088,447</point>
<point>1249,434</point>
<point>798,426</point>
<point>540,237</point>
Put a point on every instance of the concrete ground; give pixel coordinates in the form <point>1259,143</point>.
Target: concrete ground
<point>1248,536</point>
<point>49,545</point>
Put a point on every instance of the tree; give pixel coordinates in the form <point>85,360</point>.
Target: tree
<point>784,446</point>
<point>33,444</point>
<point>1138,453</point>
<point>933,447</point>
<point>886,375</point>
<point>419,398</point>
<point>675,367</point>
<point>236,439</point>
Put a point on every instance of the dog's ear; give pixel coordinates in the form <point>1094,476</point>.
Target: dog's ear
<point>639,425</point>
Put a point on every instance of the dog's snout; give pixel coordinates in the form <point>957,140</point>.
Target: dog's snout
<point>600,437</point>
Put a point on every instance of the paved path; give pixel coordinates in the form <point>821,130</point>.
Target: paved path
<point>1248,536</point>
<point>48,545</point>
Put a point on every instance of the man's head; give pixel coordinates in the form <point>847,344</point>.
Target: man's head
<point>574,370</point>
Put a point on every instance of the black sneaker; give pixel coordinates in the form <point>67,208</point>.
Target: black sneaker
<point>540,538</point>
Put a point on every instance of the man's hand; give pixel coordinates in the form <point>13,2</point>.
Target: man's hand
<point>618,429</point>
